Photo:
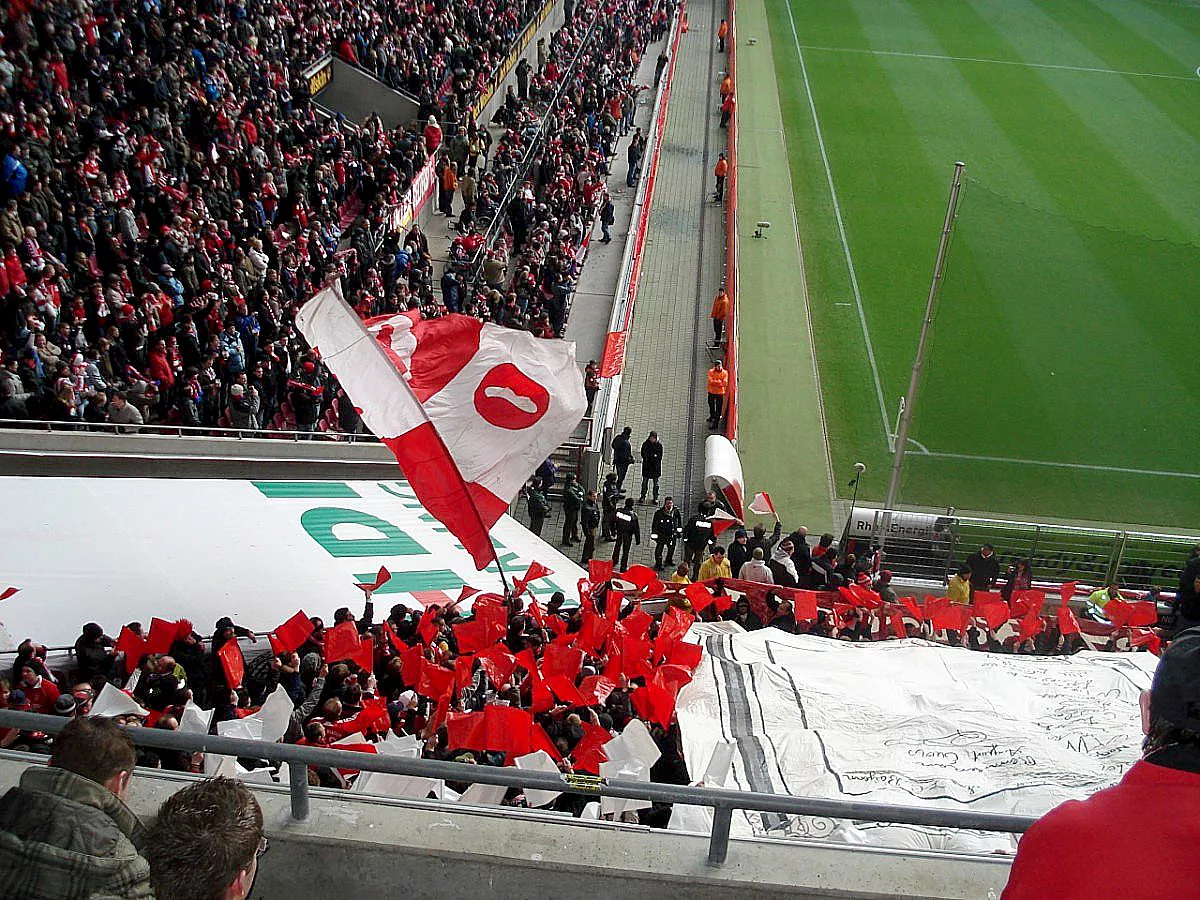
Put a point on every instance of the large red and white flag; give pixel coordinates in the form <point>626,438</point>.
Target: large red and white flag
<point>468,409</point>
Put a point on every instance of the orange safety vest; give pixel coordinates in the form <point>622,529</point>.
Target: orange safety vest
<point>718,381</point>
<point>723,31</point>
<point>449,179</point>
<point>722,168</point>
<point>726,87</point>
<point>720,307</point>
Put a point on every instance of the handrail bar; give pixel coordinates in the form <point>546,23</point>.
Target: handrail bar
<point>722,800</point>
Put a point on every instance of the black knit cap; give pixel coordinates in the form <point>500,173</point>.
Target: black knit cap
<point>1175,694</point>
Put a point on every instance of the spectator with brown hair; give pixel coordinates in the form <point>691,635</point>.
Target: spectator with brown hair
<point>207,842</point>
<point>65,831</point>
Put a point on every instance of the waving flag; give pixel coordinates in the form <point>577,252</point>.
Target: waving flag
<point>469,410</point>
<point>722,521</point>
<point>762,505</point>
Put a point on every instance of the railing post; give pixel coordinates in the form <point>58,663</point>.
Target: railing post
<point>1116,558</point>
<point>298,788</point>
<point>718,843</point>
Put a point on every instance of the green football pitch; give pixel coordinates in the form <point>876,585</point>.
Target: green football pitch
<point>1063,375</point>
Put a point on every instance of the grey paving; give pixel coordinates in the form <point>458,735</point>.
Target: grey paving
<point>667,357</point>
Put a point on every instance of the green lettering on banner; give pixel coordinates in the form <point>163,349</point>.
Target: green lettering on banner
<point>407,582</point>
<point>320,522</point>
<point>309,490</point>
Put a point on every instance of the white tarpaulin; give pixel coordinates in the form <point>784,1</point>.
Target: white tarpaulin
<point>907,722</point>
<point>116,550</point>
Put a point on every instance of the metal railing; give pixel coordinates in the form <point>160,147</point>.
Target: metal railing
<point>722,801</point>
<point>219,431</point>
<point>1137,560</point>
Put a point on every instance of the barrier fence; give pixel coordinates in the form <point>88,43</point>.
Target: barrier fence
<point>732,257</point>
<point>722,801</point>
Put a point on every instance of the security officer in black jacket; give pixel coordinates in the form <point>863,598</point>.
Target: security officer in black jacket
<point>628,531</point>
<point>589,521</point>
<point>665,529</point>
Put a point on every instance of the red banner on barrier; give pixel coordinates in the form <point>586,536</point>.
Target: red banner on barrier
<point>613,361</point>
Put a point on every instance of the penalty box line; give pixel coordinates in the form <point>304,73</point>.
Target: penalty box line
<point>1123,470</point>
<point>1097,70</point>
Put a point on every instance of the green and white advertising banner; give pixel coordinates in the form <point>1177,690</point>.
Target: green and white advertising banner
<point>118,550</point>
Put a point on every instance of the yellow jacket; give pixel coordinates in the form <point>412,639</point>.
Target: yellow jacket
<point>959,590</point>
<point>710,568</point>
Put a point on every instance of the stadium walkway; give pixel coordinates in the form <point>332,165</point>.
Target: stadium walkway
<point>667,356</point>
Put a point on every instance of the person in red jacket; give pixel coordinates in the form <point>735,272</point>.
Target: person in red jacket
<point>40,692</point>
<point>1146,827</point>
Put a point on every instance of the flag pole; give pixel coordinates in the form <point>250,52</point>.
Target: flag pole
<point>909,401</point>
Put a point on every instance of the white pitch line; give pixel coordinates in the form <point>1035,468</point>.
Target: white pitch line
<point>1162,473</point>
<point>837,212</point>
<point>1099,70</point>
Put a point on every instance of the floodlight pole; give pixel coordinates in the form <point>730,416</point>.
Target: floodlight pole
<point>909,402</point>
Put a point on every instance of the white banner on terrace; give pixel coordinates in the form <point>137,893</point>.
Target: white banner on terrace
<point>909,723</point>
<point>117,550</point>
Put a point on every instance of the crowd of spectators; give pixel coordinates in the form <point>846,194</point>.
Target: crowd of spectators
<point>581,675</point>
<point>170,194</point>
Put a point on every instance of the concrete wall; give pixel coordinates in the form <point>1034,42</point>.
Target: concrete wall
<point>386,848</point>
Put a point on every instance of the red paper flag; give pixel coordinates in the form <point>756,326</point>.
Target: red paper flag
<point>276,647</point>
<point>860,596</point>
<point>463,670</point>
<point>427,628</point>
<point>1144,613</point>
<point>535,571</point>
<point>722,521</point>
<point>596,688</point>
<point>1031,626</point>
<point>1067,623</point>
<point>507,730</point>
<point>394,639</point>
<point>638,622</point>
<point>1118,612</point>
<point>232,663</point>
<point>498,663</point>
<point>364,657</point>
<point>162,636</point>
<point>642,576</point>
<point>436,682</point>
<point>465,731</point>
<point>565,690</point>
<point>412,661</point>
<point>294,632</point>
<point>686,655</point>
<point>654,704</point>
<point>595,629</point>
<point>381,578</point>
<point>804,605</point>
<point>599,570</point>
<point>671,678</point>
<point>990,607</point>
<point>463,594</point>
<point>538,615</point>
<point>1026,602</point>
<point>674,625</point>
<point>700,596</point>
<point>1066,590</point>
<point>559,660</point>
<point>472,636</point>
<point>1146,637</point>
<point>913,607</point>
<point>8,592</point>
<point>341,643</point>
<point>132,645</point>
